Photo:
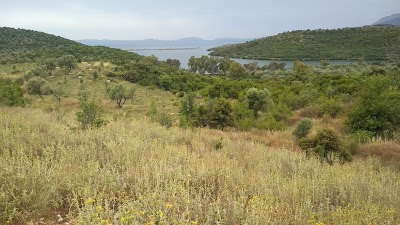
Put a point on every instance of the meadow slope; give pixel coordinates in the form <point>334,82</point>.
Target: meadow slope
<point>136,172</point>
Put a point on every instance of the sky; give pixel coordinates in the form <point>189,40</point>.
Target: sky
<point>175,19</point>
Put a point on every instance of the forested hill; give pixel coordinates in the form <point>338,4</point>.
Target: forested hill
<point>20,45</point>
<point>20,39</point>
<point>371,42</point>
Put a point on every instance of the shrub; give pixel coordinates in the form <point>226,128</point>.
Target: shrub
<point>11,93</point>
<point>378,109</point>
<point>326,146</point>
<point>90,116</point>
<point>303,128</point>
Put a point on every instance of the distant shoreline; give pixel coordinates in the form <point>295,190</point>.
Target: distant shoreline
<point>161,49</point>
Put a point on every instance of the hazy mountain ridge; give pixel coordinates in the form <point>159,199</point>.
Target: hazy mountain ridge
<point>389,20</point>
<point>154,43</point>
<point>369,42</point>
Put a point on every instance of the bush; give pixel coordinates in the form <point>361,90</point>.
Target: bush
<point>90,116</point>
<point>378,109</point>
<point>303,128</point>
<point>11,93</point>
<point>326,146</point>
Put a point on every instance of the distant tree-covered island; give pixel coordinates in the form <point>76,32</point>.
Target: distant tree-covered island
<point>370,42</point>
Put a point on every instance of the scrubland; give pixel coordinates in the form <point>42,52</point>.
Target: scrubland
<point>132,171</point>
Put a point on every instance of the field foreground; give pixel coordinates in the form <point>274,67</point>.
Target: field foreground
<point>136,172</point>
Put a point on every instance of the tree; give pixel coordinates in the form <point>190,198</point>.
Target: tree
<point>58,92</point>
<point>301,68</point>
<point>50,65</point>
<point>174,62</point>
<point>38,86</point>
<point>67,61</point>
<point>120,93</point>
<point>236,70</point>
<point>258,100</point>
<point>193,65</point>
<point>220,113</point>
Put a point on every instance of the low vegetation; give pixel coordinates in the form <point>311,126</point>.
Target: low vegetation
<point>124,174</point>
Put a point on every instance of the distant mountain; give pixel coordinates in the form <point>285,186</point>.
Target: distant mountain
<point>20,39</point>
<point>371,42</point>
<point>152,43</point>
<point>389,20</point>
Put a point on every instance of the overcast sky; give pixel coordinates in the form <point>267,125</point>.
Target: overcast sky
<point>174,19</point>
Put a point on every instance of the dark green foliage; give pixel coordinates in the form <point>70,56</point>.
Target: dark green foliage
<point>11,94</point>
<point>326,145</point>
<point>378,108</point>
<point>38,86</point>
<point>50,65</point>
<point>19,39</point>
<point>258,100</point>
<point>90,115</point>
<point>274,66</point>
<point>210,65</point>
<point>120,94</point>
<point>67,61</point>
<point>236,70</point>
<point>348,43</point>
<point>218,114</point>
<point>303,128</point>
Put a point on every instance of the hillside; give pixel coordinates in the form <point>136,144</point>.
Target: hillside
<point>20,46</point>
<point>20,39</point>
<point>389,20</point>
<point>125,174</point>
<point>373,42</point>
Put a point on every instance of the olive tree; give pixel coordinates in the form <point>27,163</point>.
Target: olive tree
<point>120,93</point>
<point>258,100</point>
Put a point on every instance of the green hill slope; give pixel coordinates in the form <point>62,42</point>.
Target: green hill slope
<point>20,39</point>
<point>373,42</point>
<point>20,45</point>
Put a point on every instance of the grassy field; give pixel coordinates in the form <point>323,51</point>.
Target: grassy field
<point>135,172</point>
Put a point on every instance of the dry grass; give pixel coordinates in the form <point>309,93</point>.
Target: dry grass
<point>387,151</point>
<point>134,172</point>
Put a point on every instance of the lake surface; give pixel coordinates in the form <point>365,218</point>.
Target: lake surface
<point>183,55</point>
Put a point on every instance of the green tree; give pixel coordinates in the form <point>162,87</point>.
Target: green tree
<point>236,70</point>
<point>258,100</point>
<point>120,93</point>
<point>67,61</point>
<point>301,69</point>
<point>220,114</point>
<point>193,64</point>
<point>50,65</point>
<point>90,116</point>
<point>58,92</point>
<point>38,86</point>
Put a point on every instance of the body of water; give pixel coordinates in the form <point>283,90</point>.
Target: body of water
<point>184,54</point>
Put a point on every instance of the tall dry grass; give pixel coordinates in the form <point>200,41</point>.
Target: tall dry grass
<point>135,172</point>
